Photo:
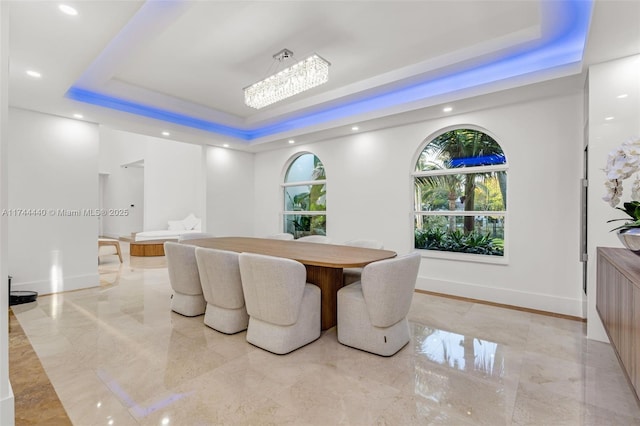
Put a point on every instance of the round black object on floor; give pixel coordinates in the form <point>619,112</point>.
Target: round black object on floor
<point>20,297</point>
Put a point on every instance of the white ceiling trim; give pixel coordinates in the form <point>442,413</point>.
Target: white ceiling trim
<point>534,54</point>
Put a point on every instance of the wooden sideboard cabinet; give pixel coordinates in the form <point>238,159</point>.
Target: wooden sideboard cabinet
<point>618,304</point>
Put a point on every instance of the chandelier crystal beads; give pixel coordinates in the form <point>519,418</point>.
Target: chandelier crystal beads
<point>304,75</point>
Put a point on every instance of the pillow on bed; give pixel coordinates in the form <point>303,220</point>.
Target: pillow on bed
<point>176,225</point>
<point>190,222</point>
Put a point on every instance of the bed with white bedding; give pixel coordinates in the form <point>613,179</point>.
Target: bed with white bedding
<point>176,228</point>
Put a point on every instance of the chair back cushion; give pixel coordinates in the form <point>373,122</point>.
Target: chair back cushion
<point>273,287</point>
<point>183,269</point>
<point>220,277</point>
<point>281,236</point>
<point>388,286</point>
<point>322,239</point>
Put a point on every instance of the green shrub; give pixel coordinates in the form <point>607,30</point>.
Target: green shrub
<point>459,242</point>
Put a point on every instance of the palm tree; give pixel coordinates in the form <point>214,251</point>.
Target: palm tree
<point>317,198</point>
<point>460,146</point>
<point>451,183</point>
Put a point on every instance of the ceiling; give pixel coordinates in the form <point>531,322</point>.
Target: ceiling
<point>180,66</point>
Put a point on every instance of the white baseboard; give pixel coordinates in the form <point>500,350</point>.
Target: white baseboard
<point>7,409</point>
<point>540,302</point>
<point>110,235</point>
<point>67,284</point>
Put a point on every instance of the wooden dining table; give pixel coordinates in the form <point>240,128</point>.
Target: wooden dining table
<point>324,262</point>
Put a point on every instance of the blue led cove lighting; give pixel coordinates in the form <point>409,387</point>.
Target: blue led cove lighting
<point>564,46</point>
<point>94,98</point>
<point>483,160</point>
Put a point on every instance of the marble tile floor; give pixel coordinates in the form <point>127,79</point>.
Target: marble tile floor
<point>35,399</point>
<point>117,355</point>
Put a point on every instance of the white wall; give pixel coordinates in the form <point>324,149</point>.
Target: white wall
<point>126,191</point>
<point>173,179</point>
<point>229,192</point>
<point>122,186</point>
<point>6,393</point>
<point>169,187</point>
<point>606,82</point>
<point>369,195</point>
<point>53,167</point>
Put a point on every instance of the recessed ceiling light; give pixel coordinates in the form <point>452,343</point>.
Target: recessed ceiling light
<point>165,133</point>
<point>609,118</point>
<point>447,109</point>
<point>354,128</point>
<point>624,95</point>
<point>34,74</point>
<point>78,116</point>
<point>226,145</point>
<point>68,10</point>
<point>292,141</point>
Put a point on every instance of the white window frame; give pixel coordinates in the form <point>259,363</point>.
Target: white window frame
<point>285,185</point>
<point>467,257</point>
<point>303,183</point>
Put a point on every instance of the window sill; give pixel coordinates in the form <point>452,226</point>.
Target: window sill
<point>464,257</point>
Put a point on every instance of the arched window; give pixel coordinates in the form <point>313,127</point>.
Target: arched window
<point>305,197</point>
<point>460,181</point>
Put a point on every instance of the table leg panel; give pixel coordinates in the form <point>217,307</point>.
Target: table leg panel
<point>330,281</point>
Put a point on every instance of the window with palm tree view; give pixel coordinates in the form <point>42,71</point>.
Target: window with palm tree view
<point>460,201</point>
<point>305,197</point>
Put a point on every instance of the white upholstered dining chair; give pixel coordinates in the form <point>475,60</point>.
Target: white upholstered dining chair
<point>372,313</point>
<point>351,275</point>
<point>281,236</point>
<point>284,310</point>
<point>187,298</point>
<point>323,239</point>
<point>222,289</point>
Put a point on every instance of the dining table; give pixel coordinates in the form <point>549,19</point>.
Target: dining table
<point>324,262</point>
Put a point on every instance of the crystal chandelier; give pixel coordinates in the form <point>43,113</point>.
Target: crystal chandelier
<point>304,75</point>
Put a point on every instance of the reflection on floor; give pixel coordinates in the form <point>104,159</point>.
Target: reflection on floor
<point>117,356</point>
